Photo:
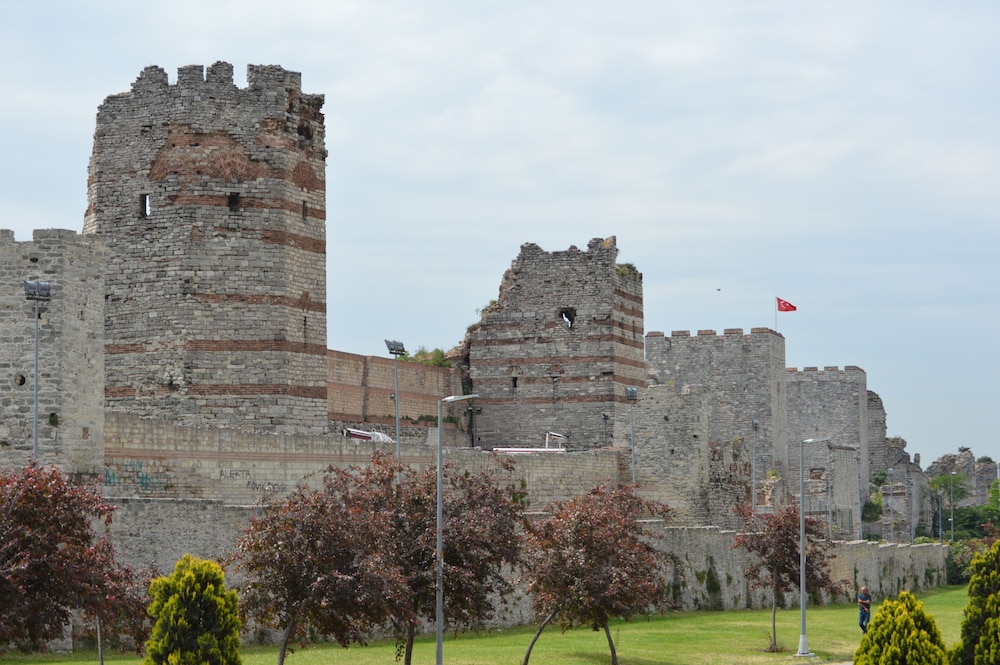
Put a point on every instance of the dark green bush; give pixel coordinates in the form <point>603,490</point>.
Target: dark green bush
<point>980,640</point>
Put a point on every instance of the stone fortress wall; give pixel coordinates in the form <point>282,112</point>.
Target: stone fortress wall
<point>70,351</point>
<point>203,257</point>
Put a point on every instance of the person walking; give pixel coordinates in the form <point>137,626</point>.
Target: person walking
<point>864,609</point>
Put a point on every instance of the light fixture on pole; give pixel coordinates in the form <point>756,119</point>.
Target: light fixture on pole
<point>953,473</point>
<point>38,291</point>
<point>890,506</point>
<point>754,425</point>
<point>439,549</point>
<point>397,350</point>
<point>632,395</point>
<point>803,641</point>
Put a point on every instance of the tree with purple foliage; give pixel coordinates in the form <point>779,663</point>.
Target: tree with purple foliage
<point>593,560</point>
<point>772,540</point>
<point>53,559</point>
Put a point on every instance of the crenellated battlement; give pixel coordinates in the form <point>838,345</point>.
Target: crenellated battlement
<point>827,369</point>
<point>218,77</point>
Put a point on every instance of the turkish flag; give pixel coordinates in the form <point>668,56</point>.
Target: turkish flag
<point>785,306</point>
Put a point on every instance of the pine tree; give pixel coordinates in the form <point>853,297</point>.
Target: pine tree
<point>980,640</point>
<point>901,633</point>
<point>196,618</point>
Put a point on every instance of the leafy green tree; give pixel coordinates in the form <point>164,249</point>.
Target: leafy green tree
<point>901,633</point>
<point>593,560</point>
<point>980,638</point>
<point>773,539</point>
<point>196,618</point>
<point>53,556</point>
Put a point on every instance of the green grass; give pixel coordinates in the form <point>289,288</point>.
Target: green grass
<point>678,638</point>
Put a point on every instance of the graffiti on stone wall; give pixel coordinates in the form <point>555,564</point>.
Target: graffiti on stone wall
<point>135,474</point>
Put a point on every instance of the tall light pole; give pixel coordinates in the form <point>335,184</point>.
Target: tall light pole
<point>38,291</point>
<point>632,394</point>
<point>754,425</point>
<point>861,501</point>
<point>397,350</point>
<point>439,608</point>
<point>941,514</point>
<point>953,505</point>
<point>803,641</point>
<point>890,505</point>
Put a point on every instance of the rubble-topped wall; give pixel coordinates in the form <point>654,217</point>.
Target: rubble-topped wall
<point>212,201</point>
<point>557,349</point>
<point>70,351</point>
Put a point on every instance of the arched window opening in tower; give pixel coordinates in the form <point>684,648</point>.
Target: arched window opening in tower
<point>568,315</point>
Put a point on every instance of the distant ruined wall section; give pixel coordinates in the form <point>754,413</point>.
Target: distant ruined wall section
<point>70,351</point>
<point>212,201</point>
<point>557,349</point>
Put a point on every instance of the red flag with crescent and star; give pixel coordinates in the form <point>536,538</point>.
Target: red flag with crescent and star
<point>785,306</point>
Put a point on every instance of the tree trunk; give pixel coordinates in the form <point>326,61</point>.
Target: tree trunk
<point>286,637</point>
<point>408,649</point>
<point>538,633</point>
<point>774,616</point>
<point>611,645</point>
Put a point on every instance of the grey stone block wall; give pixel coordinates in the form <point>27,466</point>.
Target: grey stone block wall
<point>70,351</point>
<point>212,202</point>
<point>557,349</point>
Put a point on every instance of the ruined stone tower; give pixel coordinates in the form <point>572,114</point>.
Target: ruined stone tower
<point>557,349</point>
<point>212,201</point>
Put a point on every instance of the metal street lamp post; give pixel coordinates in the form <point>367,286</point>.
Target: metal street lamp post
<point>632,394</point>
<point>941,515</point>
<point>953,473</point>
<point>754,425</point>
<point>397,350</point>
<point>803,641</point>
<point>861,501</point>
<point>38,291</point>
<point>439,556</point>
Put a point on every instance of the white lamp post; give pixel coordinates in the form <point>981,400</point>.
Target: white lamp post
<point>38,291</point>
<point>953,505</point>
<point>803,641</point>
<point>439,609</point>
<point>397,350</point>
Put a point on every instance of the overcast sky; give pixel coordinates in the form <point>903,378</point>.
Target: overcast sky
<point>844,156</point>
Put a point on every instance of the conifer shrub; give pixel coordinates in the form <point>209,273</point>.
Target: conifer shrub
<point>980,639</point>
<point>196,619</point>
<point>901,633</point>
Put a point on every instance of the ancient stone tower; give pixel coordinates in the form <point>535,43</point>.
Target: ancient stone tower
<point>70,351</point>
<point>558,348</point>
<point>212,201</point>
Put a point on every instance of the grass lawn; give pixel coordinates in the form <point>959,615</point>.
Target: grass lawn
<point>679,638</point>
